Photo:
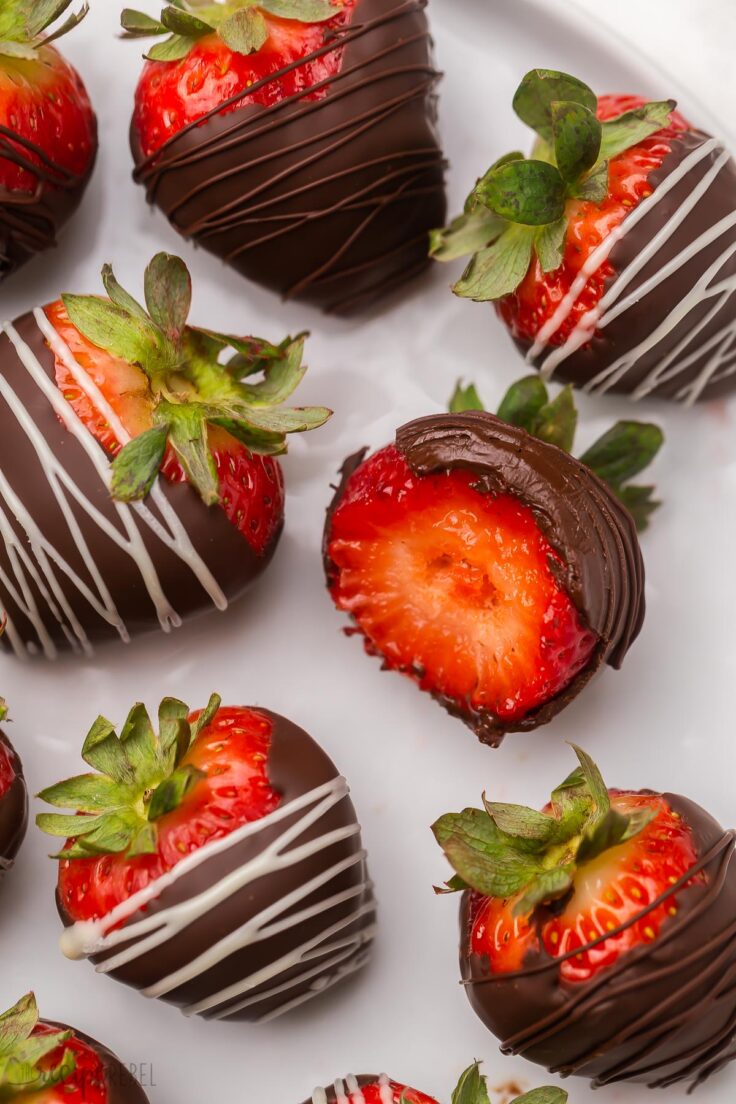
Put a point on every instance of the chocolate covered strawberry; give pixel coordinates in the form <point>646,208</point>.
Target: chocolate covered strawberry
<point>597,935</point>
<point>216,862</point>
<point>48,131</point>
<point>610,253</point>
<point>47,1063</point>
<point>13,800</point>
<point>486,563</point>
<point>141,453</point>
<point>471,1089</point>
<point>296,140</point>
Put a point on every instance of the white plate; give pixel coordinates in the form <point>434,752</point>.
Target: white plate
<point>665,721</point>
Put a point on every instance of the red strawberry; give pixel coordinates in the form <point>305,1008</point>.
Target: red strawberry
<point>221,52</point>
<point>48,1063</point>
<point>13,799</point>
<point>471,1089</point>
<point>48,132</point>
<point>172,405</point>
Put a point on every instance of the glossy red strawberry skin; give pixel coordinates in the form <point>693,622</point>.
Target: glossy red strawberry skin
<point>609,892</point>
<point>45,102</point>
<point>251,487</point>
<point>453,587</point>
<point>536,299</point>
<point>172,95</point>
<point>232,751</point>
<point>88,1083</point>
<point>7,770</point>
<point>400,1094</point>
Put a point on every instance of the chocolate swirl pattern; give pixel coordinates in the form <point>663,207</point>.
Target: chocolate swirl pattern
<point>260,921</point>
<point>666,325</point>
<point>77,568</point>
<point>329,200</point>
<point>665,1013</point>
<point>13,812</point>
<point>29,222</point>
<point>580,516</point>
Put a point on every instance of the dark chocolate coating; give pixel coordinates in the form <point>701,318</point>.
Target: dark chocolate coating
<point>29,223</point>
<point>579,515</point>
<point>296,766</point>
<point>330,201</point>
<point>664,1013</point>
<point>122,1087</point>
<point>231,559</point>
<point>693,332</point>
<point>13,812</point>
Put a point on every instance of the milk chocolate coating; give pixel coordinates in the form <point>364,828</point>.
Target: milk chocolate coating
<point>603,569</point>
<point>664,1013</point>
<point>296,766</point>
<point>329,201</point>
<point>13,812</point>
<point>122,1087</point>
<point>30,222</point>
<point>231,559</point>
<point>691,342</point>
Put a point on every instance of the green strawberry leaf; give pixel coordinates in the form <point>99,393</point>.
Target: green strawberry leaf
<point>172,49</point>
<point>39,15</point>
<point>594,782</point>
<point>207,715</point>
<point>522,823</point>
<point>557,421</point>
<point>103,752</point>
<point>87,793</point>
<point>135,469</point>
<point>472,1088</point>
<point>123,299</point>
<point>168,291</point>
<point>594,186</point>
<point>465,398</point>
<point>610,831</point>
<point>139,25</point>
<point>577,134</point>
<point>548,886</point>
<point>640,502</point>
<point>18,50</point>
<point>141,746</point>
<point>188,435</point>
<point>522,403</point>
<point>498,270</point>
<point>174,733</point>
<point>549,243</point>
<point>183,23</point>
<point>245,31</point>
<point>305,11</point>
<point>624,451</point>
<point>549,1094</point>
<point>540,89</point>
<point>634,126</point>
<point>468,233</point>
<point>528,192</point>
<point>169,795</point>
<point>112,328</point>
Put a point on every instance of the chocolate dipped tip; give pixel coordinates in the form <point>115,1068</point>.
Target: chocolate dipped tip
<point>601,570</point>
<point>121,1084</point>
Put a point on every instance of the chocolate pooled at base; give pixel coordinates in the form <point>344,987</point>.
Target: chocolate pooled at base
<point>665,1013</point>
<point>329,200</point>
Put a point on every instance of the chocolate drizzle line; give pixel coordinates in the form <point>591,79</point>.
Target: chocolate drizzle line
<point>234,182</point>
<point>29,221</point>
<point>680,981</point>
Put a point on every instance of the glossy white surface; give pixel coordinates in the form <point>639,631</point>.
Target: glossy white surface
<point>665,721</point>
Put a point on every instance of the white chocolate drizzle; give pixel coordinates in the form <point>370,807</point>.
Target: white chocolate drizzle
<point>349,1091</point>
<point>321,961</point>
<point>36,561</point>
<point>722,361</point>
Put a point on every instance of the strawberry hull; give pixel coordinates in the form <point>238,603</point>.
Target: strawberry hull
<point>601,567</point>
<point>81,569</point>
<point>13,809</point>
<point>662,1014</point>
<point>328,200</point>
<point>665,334</point>
<point>245,936</point>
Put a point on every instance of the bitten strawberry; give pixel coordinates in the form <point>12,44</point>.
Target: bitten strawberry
<point>590,931</point>
<point>296,139</point>
<point>457,553</point>
<point>48,132</point>
<point>198,817</point>
<point>472,1088</point>
<point>49,1063</point>
<point>604,252</point>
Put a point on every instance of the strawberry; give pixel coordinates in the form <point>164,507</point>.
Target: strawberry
<point>48,1063</point>
<point>472,1088</point>
<point>592,927</point>
<point>214,52</point>
<point>596,252</point>
<point>13,799</point>
<point>203,778</point>
<point>459,588</point>
<point>172,405</point>
<point>48,132</point>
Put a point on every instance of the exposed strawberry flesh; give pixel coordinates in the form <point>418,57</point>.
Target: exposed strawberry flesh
<point>85,1086</point>
<point>608,892</point>
<point>454,588</point>
<point>251,487</point>
<point>536,299</point>
<point>171,95</point>
<point>45,102</point>
<point>7,773</point>
<point>233,753</point>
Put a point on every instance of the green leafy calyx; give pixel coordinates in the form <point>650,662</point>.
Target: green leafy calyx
<point>616,457</point>
<point>22,1052</point>
<point>519,208</point>
<point>26,25</point>
<point>472,1088</point>
<point>509,851</point>
<point>241,24</point>
<point>139,778</point>
<point>192,386</point>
